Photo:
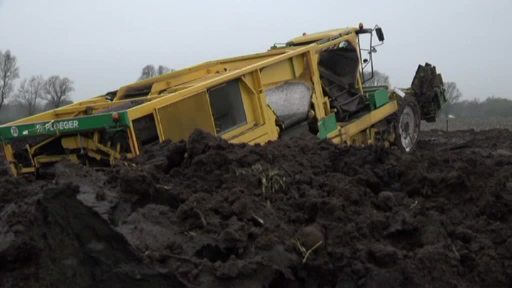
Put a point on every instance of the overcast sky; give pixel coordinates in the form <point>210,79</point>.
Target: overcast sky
<point>102,44</point>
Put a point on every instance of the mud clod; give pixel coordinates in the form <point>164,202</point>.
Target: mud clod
<point>292,213</point>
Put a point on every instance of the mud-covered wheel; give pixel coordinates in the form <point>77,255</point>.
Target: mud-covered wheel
<point>407,124</point>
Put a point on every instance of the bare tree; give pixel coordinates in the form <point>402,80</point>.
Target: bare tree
<point>57,91</point>
<point>8,73</point>
<point>147,72</point>
<point>29,92</point>
<point>163,69</point>
<point>453,95</point>
<point>150,71</point>
<point>379,79</point>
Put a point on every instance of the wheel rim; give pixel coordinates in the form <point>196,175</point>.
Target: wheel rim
<point>408,129</point>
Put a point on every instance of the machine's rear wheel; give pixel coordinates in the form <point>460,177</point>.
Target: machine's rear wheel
<point>408,124</point>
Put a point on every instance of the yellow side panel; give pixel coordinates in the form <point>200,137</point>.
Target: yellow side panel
<point>179,119</point>
<point>278,72</point>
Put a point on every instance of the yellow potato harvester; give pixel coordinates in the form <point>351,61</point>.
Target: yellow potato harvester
<point>314,83</point>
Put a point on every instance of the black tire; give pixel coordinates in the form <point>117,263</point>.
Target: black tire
<point>407,125</point>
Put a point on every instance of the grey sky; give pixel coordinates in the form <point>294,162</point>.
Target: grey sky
<point>102,44</point>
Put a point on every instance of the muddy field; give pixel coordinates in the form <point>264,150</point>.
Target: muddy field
<point>294,213</point>
<point>469,123</point>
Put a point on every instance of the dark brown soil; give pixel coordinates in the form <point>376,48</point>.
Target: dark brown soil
<point>293,213</point>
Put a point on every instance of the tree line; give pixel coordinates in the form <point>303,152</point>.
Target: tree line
<point>490,107</point>
<point>33,94</point>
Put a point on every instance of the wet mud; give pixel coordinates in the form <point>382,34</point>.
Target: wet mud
<point>297,212</point>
